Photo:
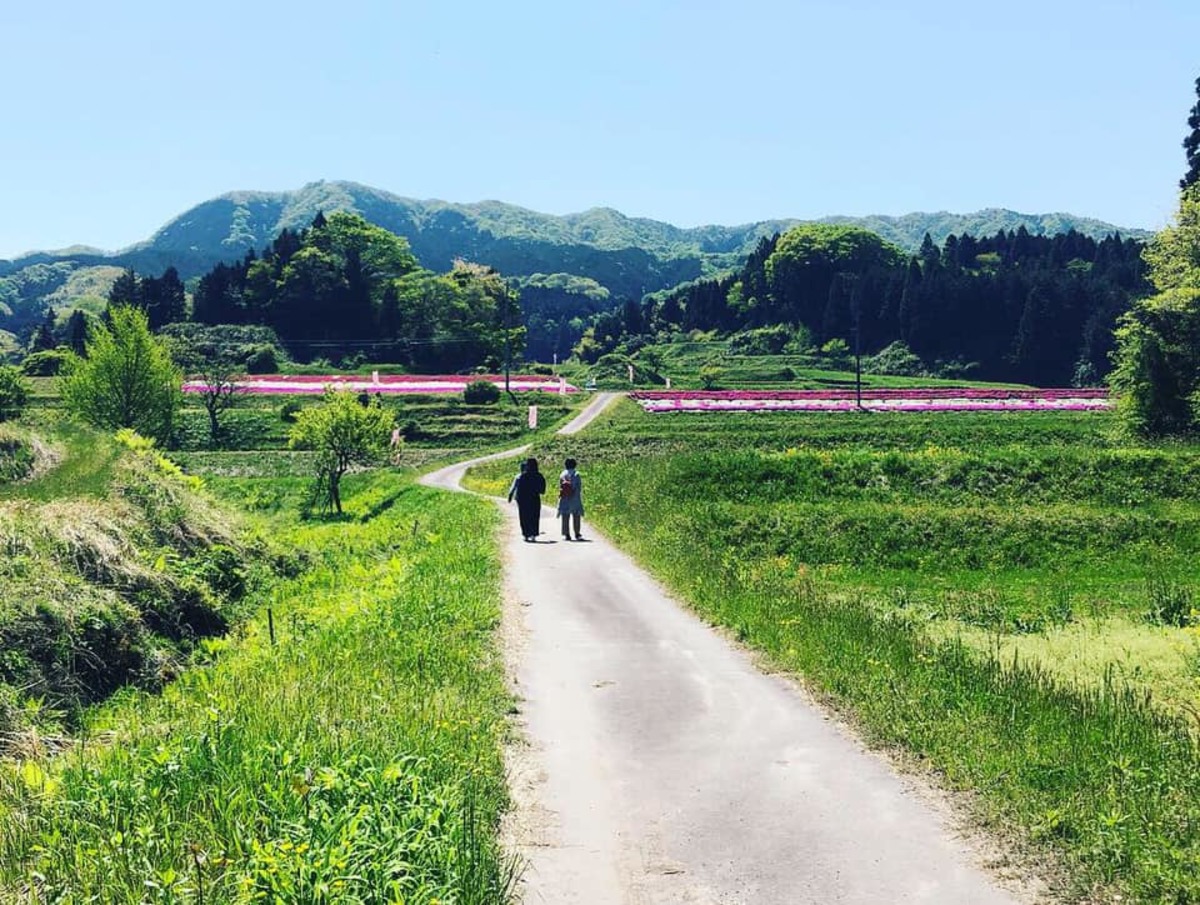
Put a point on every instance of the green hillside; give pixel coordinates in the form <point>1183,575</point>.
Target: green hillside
<point>627,256</point>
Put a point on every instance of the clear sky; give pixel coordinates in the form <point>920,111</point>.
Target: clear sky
<point>118,116</point>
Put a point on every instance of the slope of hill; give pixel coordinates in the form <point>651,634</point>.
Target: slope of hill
<point>627,256</point>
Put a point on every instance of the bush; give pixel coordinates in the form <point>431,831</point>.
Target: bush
<point>897,359</point>
<point>196,345</point>
<point>761,341</point>
<point>263,360</point>
<point>289,410</point>
<point>711,375</point>
<point>481,392</point>
<point>14,393</point>
<point>46,363</point>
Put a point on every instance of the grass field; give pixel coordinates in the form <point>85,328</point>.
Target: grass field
<point>1007,597</point>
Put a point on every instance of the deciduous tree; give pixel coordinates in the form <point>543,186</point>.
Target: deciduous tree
<point>126,377</point>
<point>1157,374</point>
<point>344,433</point>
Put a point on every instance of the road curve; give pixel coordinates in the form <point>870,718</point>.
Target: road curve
<point>663,767</point>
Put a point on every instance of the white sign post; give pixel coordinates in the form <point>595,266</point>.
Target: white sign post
<point>533,417</point>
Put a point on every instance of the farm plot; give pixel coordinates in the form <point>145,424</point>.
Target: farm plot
<point>913,399</point>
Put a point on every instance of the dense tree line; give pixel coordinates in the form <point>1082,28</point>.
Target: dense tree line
<point>344,286</point>
<point>163,299</point>
<point>1013,306</point>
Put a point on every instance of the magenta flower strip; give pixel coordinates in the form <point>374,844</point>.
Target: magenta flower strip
<point>391,384</point>
<point>917,399</point>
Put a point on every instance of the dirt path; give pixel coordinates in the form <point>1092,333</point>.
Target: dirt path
<point>662,766</point>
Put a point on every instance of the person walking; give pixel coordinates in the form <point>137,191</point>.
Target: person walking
<point>570,499</point>
<point>527,488</point>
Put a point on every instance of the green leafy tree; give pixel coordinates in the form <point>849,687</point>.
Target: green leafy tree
<point>14,392</point>
<point>806,260</point>
<point>126,377</point>
<point>1173,256</point>
<point>344,433</point>
<point>1157,373</point>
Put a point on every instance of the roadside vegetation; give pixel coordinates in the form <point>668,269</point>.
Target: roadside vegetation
<point>105,589</point>
<point>212,691</point>
<point>356,758</point>
<point>1008,598</point>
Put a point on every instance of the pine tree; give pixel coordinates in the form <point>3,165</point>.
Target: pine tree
<point>172,300</point>
<point>126,290</point>
<point>1191,145</point>
<point>43,337</point>
<point>75,332</point>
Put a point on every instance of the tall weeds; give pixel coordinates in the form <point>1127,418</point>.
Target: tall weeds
<point>354,760</point>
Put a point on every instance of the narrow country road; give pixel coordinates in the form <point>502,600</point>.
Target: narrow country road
<point>661,766</point>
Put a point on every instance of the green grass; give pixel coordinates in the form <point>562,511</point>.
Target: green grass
<point>1008,598</point>
<point>682,363</point>
<point>86,466</point>
<point>356,759</point>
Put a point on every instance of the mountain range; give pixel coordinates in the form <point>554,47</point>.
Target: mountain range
<point>627,256</point>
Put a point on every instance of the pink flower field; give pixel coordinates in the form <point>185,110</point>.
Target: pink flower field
<point>916,399</point>
<point>384,384</point>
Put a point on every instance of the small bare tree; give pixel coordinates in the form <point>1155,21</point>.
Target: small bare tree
<point>218,392</point>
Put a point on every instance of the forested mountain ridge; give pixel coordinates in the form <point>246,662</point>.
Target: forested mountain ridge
<point>627,257</point>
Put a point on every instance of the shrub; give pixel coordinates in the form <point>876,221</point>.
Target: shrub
<point>262,360</point>
<point>289,410</point>
<point>481,392</point>
<point>896,358</point>
<point>46,363</point>
<point>195,345</point>
<point>14,392</point>
<point>762,340</point>
<point>710,376</point>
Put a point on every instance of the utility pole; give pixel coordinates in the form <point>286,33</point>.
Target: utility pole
<point>850,281</point>
<point>507,301</point>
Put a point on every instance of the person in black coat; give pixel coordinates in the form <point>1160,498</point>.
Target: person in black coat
<point>527,488</point>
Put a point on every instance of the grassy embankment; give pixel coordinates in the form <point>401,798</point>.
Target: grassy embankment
<point>683,361</point>
<point>1007,597</point>
<point>356,759</point>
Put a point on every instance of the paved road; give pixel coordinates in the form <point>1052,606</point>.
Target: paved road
<point>663,767</point>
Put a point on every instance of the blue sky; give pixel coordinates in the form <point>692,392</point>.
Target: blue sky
<point>120,115</point>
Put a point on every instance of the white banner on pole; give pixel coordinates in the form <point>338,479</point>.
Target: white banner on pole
<point>533,417</point>
<point>562,386</point>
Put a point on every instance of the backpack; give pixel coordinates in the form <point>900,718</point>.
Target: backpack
<point>566,487</point>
